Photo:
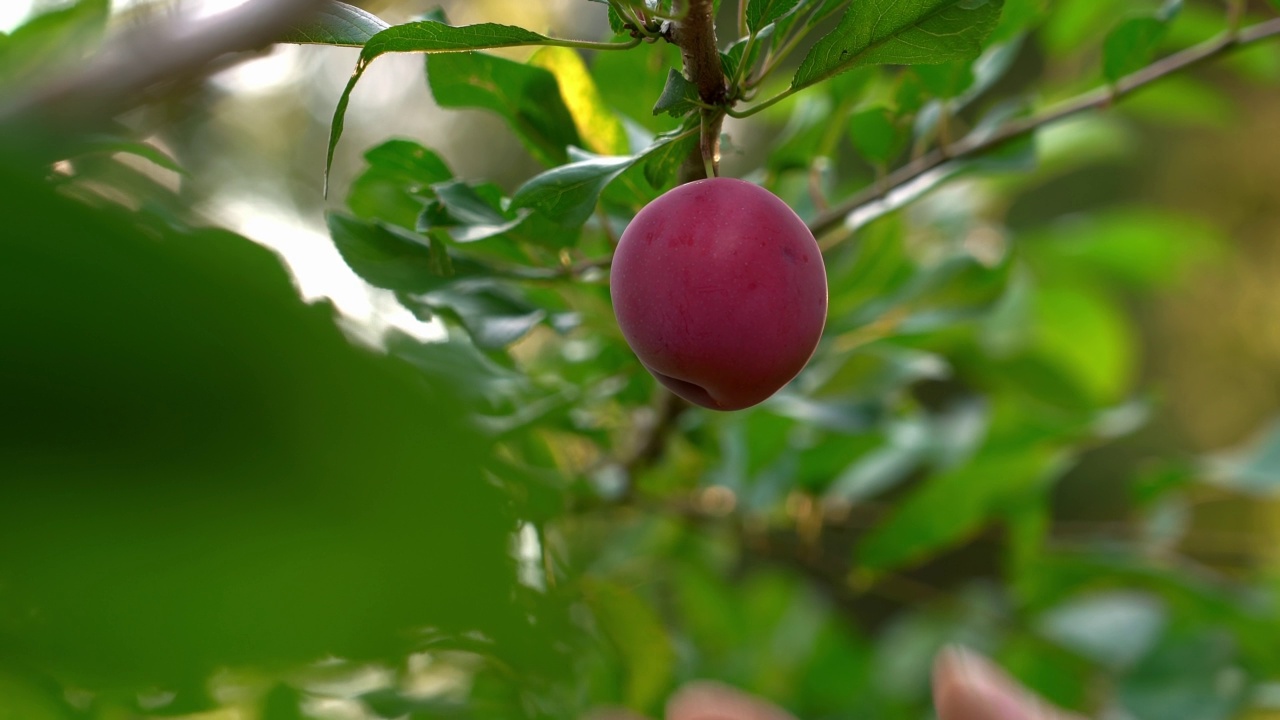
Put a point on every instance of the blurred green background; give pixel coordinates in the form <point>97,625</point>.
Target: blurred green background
<point>1044,420</point>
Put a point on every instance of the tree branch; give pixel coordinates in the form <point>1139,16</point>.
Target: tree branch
<point>126,72</point>
<point>1100,98</point>
<point>695,34</point>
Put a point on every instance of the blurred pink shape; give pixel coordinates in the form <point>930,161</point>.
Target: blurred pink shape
<point>967,686</point>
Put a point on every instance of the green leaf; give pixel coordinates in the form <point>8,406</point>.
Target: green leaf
<point>568,194</point>
<point>1130,46</point>
<point>425,36</point>
<point>678,98</point>
<point>667,154</point>
<point>527,97</point>
<point>638,635</point>
<point>1084,333</point>
<point>953,504</point>
<point>396,184</point>
<point>876,135</point>
<point>384,258</point>
<point>763,12</point>
<point>900,32</point>
<point>337,23</point>
<point>597,124</point>
<point>465,215</point>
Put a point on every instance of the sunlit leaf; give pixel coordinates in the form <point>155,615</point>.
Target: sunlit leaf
<point>597,125</point>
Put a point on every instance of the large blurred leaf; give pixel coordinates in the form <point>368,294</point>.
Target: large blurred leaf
<point>202,471</point>
<point>914,32</point>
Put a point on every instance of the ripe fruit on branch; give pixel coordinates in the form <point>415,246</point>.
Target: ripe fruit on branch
<point>720,290</point>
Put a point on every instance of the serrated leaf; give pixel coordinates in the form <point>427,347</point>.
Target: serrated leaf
<point>527,97</point>
<point>678,96</point>
<point>1130,46</point>
<point>763,12</point>
<point>337,23</point>
<point>597,124</point>
<point>900,32</point>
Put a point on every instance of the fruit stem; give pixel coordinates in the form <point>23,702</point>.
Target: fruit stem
<point>695,35</point>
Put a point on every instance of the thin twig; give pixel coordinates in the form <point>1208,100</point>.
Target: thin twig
<point>1097,99</point>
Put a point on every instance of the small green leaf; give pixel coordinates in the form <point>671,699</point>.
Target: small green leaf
<point>678,97</point>
<point>527,97</point>
<point>568,194</point>
<point>1130,46</point>
<point>384,258</point>
<point>763,12</point>
<point>337,23</point>
<point>900,32</point>
<point>666,155</point>
<point>396,184</point>
<point>465,215</point>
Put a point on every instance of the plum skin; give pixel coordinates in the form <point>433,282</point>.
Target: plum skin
<point>720,290</point>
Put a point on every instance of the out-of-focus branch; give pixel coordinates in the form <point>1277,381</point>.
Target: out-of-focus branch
<point>979,142</point>
<point>695,35</point>
<point>138,62</point>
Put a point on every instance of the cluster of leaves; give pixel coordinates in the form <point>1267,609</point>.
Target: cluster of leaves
<point>819,548</point>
